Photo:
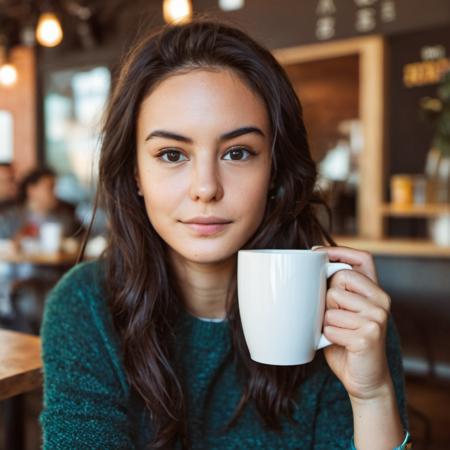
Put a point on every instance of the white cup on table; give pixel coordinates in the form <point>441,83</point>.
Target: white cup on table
<point>50,237</point>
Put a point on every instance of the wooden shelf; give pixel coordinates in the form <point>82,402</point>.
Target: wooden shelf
<point>428,210</point>
<point>396,247</point>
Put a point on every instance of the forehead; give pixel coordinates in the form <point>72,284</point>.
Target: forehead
<point>202,98</point>
<point>46,180</point>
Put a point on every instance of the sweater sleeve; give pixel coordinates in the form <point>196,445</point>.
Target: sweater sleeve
<point>334,421</point>
<point>85,396</point>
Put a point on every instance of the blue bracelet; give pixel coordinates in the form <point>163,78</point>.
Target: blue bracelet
<point>405,445</point>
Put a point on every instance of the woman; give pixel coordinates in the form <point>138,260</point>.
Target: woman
<point>204,153</point>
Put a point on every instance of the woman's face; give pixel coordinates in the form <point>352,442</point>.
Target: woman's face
<point>41,194</point>
<point>204,163</point>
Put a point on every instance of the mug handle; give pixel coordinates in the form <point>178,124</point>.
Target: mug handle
<point>331,269</point>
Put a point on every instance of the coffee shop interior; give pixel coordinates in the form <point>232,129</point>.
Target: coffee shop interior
<point>373,77</point>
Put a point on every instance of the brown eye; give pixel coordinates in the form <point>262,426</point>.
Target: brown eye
<point>171,156</point>
<point>237,154</point>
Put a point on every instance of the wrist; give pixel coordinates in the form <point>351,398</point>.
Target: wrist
<point>376,419</point>
<point>378,395</point>
<point>405,445</point>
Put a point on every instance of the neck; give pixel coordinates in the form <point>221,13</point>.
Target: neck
<point>204,286</point>
<point>34,208</point>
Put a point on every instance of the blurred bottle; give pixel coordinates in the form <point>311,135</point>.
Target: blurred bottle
<point>437,170</point>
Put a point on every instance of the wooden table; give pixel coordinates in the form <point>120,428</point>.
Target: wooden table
<point>20,354</point>
<point>20,372</point>
<point>39,259</point>
<point>20,363</point>
<point>11,252</point>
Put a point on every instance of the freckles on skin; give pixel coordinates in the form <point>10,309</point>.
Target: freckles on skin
<point>202,106</point>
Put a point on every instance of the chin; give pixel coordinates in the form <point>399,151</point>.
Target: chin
<point>210,254</point>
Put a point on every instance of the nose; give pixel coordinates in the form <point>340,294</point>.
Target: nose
<point>206,184</point>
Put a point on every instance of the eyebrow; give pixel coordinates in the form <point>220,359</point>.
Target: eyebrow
<point>224,137</point>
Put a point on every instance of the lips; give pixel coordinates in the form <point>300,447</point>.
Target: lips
<point>207,220</point>
<point>207,225</point>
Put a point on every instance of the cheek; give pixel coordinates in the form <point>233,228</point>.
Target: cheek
<point>259,206</point>
<point>161,195</point>
<point>252,197</point>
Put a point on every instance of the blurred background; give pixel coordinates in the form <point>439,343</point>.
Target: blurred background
<point>374,80</point>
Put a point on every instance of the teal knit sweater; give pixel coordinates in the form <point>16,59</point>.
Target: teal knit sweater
<point>88,403</point>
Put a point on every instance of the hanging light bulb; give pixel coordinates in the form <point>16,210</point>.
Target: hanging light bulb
<point>49,32</point>
<point>179,11</point>
<point>231,5</point>
<point>8,75</point>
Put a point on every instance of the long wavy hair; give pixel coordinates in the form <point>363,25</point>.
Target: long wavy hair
<point>143,294</point>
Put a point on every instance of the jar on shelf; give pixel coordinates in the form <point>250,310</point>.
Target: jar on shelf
<point>401,190</point>
<point>439,228</point>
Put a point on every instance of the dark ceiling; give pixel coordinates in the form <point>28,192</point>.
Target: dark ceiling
<point>84,21</point>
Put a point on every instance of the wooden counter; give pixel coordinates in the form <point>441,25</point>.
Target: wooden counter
<point>427,210</point>
<point>20,363</point>
<point>396,247</point>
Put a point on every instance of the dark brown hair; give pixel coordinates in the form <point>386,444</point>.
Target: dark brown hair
<point>143,297</point>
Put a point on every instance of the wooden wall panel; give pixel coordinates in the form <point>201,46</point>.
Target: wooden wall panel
<point>329,92</point>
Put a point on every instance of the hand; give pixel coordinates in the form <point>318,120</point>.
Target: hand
<point>357,311</point>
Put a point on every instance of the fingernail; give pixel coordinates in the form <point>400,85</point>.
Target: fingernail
<point>315,247</point>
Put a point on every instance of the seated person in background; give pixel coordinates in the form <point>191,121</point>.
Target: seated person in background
<point>8,187</point>
<point>8,191</point>
<point>37,204</point>
<point>26,285</point>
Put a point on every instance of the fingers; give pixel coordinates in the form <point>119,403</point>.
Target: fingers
<point>352,320</point>
<point>351,282</point>
<point>357,308</point>
<point>361,261</point>
<point>359,340</point>
<point>339,298</point>
<point>342,319</point>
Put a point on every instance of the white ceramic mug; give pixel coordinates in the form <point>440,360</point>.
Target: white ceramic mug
<point>281,296</point>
